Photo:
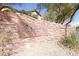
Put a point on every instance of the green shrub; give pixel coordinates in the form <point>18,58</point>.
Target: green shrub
<point>71,41</point>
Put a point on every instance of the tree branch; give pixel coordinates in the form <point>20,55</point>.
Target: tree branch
<point>73,14</point>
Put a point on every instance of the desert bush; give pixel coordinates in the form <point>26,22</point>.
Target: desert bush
<point>71,41</point>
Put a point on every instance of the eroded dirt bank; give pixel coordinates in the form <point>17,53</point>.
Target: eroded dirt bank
<point>28,36</point>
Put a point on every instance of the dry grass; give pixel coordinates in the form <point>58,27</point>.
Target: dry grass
<point>71,41</point>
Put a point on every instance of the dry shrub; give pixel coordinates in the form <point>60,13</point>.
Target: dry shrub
<point>71,41</point>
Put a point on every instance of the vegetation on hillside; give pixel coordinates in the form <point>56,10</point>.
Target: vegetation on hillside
<point>72,40</point>
<point>59,12</point>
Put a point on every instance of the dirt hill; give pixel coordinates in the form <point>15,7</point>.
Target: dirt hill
<point>18,29</point>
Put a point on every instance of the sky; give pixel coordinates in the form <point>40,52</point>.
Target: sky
<point>30,6</point>
<point>26,6</point>
<point>76,19</point>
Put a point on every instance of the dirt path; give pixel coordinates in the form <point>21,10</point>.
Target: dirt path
<point>43,46</point>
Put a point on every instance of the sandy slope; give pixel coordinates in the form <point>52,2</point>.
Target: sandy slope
<point>29,36</point>
<point>45,43</point>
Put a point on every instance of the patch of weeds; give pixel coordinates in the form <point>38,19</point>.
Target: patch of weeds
<point>71,41</point>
